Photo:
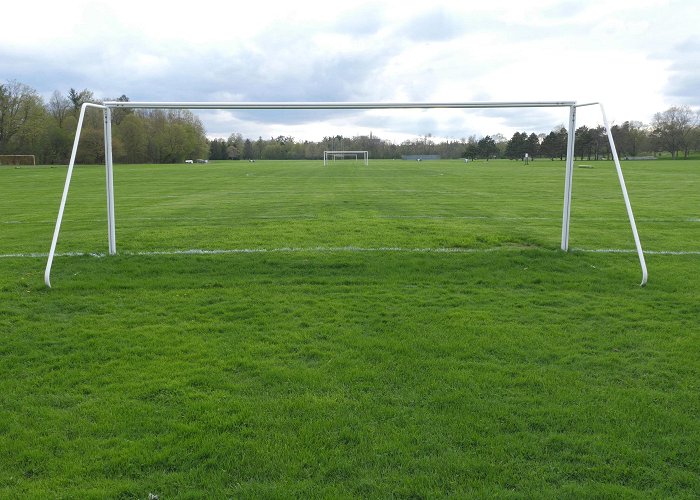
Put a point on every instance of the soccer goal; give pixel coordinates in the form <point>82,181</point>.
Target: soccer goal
<point>345,155</point>
<point>17,160</point>
<point>108,106</point>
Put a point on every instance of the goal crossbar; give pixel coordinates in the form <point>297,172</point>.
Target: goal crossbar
<point>108,106</point>
<point>335,105</point>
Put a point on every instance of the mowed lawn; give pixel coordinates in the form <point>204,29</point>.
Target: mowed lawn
<point>281,329</point>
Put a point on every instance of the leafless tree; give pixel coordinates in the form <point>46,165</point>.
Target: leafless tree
<point>672,129</point>
<point>59,107</point>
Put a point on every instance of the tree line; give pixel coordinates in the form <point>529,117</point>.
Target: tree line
<point>30,125</point>
<point>676,131</point>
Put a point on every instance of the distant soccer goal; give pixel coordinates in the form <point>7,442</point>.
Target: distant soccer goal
<point>17,160</point>
<point>344,155</point>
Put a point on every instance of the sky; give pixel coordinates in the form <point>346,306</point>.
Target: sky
<point>638,57</point>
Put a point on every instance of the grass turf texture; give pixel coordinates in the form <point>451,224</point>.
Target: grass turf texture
<point>509,369</point>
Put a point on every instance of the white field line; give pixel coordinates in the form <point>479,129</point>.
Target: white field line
<point>200,251</point>
<point>126,217</point>
<point>629,250</point>
<point>348,249</point>
<point>40,255</point>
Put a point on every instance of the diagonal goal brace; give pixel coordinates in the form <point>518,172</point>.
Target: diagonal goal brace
<point>108,106</point>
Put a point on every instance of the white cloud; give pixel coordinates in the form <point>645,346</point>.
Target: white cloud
<point>637,56</point>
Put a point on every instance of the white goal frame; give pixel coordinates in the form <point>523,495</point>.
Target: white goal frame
<point>19,156</point>
<point>334,154</point>
<point>108,106</point>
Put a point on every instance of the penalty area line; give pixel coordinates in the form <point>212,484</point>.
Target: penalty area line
<point>348,249</point>
<point>201,251</point>
<point>630,250</point>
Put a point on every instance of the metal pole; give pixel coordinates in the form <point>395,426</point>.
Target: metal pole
<point>111,230</point>
<point>334,105</point>
<point>568,178</point>
<point>64,197</point>
<point>628,205</point>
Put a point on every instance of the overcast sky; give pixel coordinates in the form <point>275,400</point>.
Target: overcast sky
<point>638,57</point>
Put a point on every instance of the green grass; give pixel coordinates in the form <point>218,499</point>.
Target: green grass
<point>342,358</point>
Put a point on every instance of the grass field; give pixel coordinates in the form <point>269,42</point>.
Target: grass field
<point>281,329</point>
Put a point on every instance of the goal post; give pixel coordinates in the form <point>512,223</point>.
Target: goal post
<point>333,155</point>
<point>108,106</point>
